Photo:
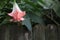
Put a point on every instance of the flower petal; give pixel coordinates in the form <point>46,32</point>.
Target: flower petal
<point>22,19</point>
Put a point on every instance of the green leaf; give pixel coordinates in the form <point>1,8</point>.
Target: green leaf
<point>27,23</point>
<point>35,18</point>
<point>4,21</point>
<point>32,4</point>
<point>41,1</point>
<point>3,3</point>
<point>56,8</point>
<point>46,4</point>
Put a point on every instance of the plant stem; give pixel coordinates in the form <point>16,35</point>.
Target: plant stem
<point>14,1</point>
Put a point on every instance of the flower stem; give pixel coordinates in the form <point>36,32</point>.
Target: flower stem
<point>14,1</point>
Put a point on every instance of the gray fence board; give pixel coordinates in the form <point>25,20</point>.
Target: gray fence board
<point>39,32</point>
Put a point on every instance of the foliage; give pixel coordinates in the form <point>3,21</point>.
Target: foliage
<point>34,10</point>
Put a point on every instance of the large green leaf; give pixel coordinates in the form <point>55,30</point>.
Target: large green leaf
<point>46,4</point>
<point>36,19</point>
<point>32,4</point>
<point>27,23</point>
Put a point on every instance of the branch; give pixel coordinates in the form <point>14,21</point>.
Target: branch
<point>53,20</point>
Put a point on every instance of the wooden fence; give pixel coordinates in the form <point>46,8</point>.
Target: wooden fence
<point>39,32</point>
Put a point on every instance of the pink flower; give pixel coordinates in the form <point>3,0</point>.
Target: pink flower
<point>16,13</point>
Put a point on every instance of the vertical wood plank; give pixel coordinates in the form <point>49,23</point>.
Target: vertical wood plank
<point>2,32</point>
<point>51,32</point>
<point>7,34</point>
<point>39,33</point>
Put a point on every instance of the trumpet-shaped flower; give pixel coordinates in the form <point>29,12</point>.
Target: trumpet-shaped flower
<point>16,13</point>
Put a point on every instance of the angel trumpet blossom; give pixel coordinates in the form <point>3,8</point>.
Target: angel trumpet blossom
<point>16,13</point>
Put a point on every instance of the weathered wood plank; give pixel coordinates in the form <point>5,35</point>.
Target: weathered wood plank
<point>2,32</point>
<point>38,32</point>
<point>51,32</point>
